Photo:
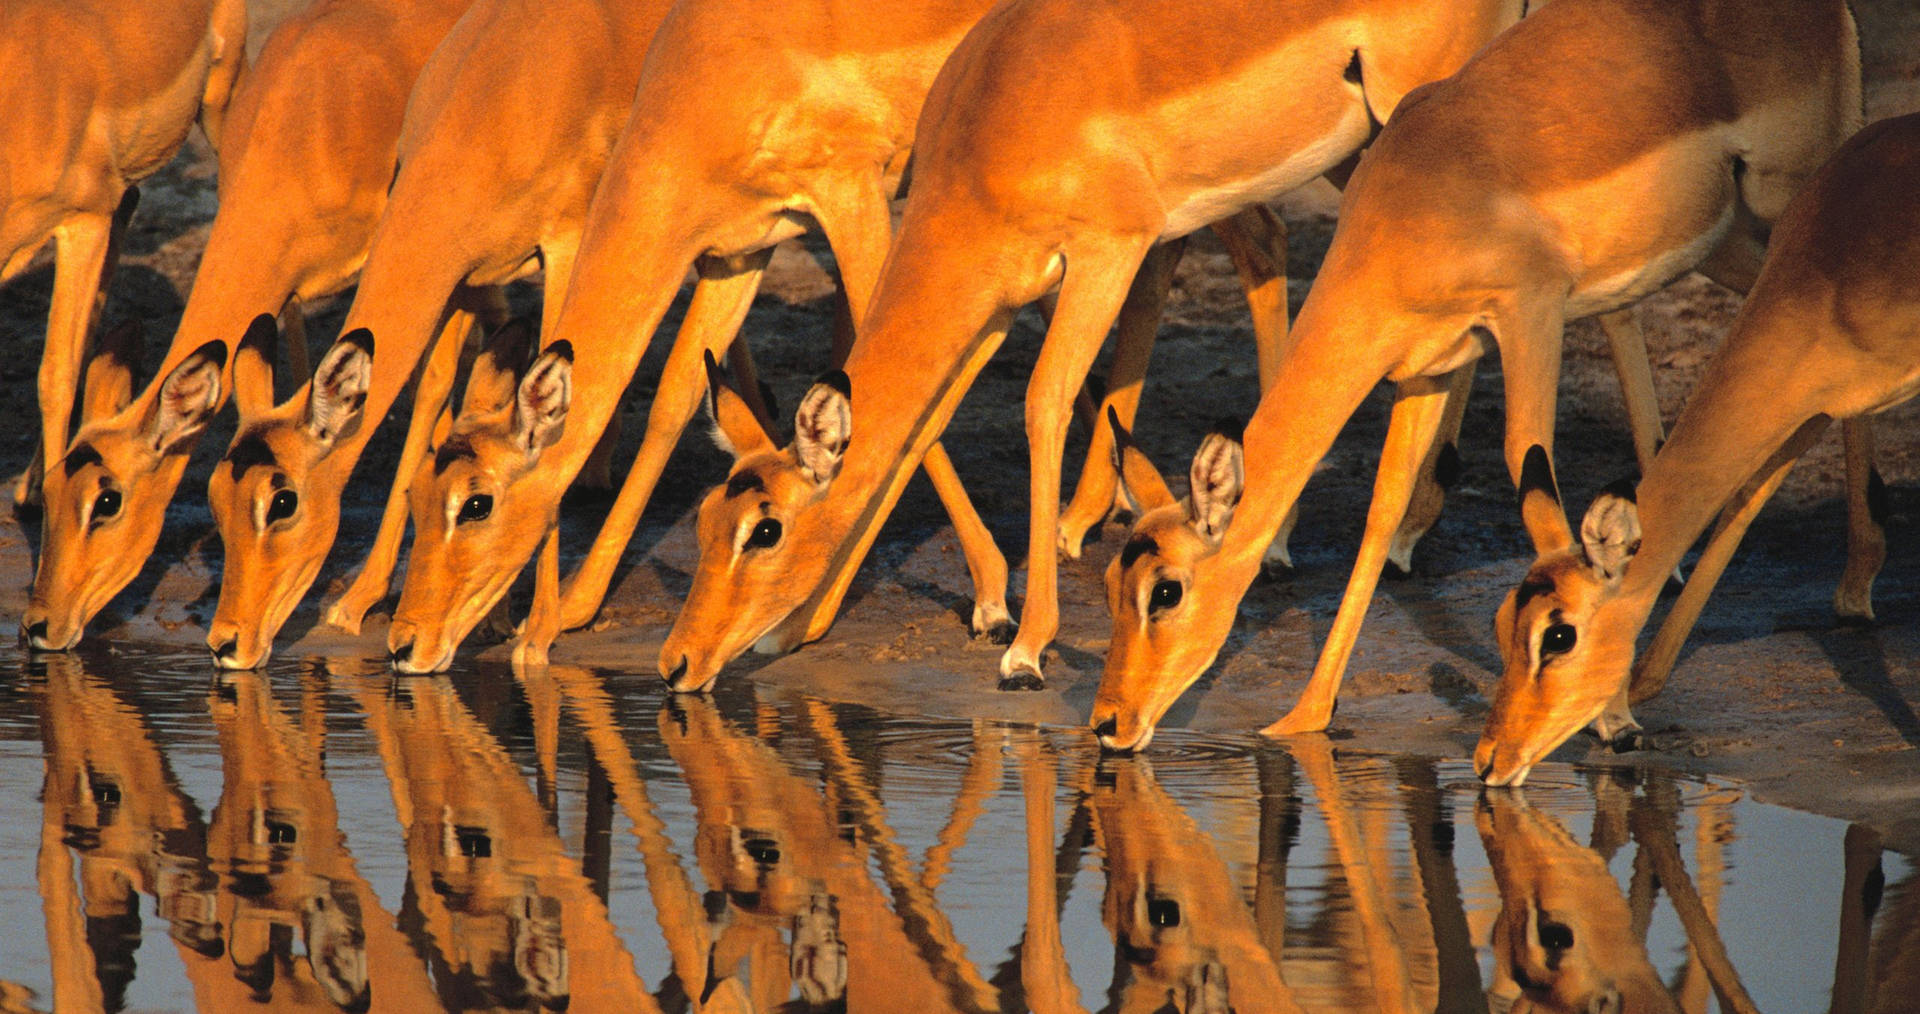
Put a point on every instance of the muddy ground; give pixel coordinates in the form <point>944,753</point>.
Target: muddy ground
<point>1769,691</point>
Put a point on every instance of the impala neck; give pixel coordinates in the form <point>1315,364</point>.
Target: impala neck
<point>403,302</point>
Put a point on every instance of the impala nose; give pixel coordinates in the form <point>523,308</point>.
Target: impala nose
<point>1107,728</point>
<point>400,656</point>
<point>225,651</point>
<point>1486,769</point>
<point>34,635</point>
<point>673,678</point>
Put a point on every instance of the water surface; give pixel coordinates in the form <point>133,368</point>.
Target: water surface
<point>323,836</point>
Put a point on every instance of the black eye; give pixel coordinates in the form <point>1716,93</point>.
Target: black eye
<point>1558,639</point>
<point>1165,595</point>
<point>106,505</point>
<point>282,506</point>
<point>478,507</point>
<point>1555,936</point>
<point>765,534</point>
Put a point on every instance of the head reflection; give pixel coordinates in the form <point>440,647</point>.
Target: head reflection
<point>1564,935</point>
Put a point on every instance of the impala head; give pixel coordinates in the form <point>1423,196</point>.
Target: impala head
<point>1155,656</point>
<point>754,568</point>
<point>1566,647</point>
<point>1564,934</point>
<point>276,493</point>
<point>474,499</point>
<point>106,499</point>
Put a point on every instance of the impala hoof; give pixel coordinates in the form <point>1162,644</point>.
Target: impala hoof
<point>1628,741</point>
<point>1393,571</point>
<point>1852,621</point>
<point>999,632</point>
<point>1021,680</point>
<point>1275,572</point>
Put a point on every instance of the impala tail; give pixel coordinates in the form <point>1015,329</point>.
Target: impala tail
<point>742,587</point>
<point>107,497</point>
<point>1147,582</point>
<point>275,494</point>
<point>514,409</point>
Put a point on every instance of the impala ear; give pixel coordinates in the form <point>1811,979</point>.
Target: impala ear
<point>253,366</point>
<point>1139,480</point>
<point>736,429</point>
<point>1216,480</point>
<point>496,371</point>
<point>1610,533</point>
<point>543,398</point>
<point>109,381</point>
<point>188,398</point>
<point>338,395</point>
<point>823,426</point>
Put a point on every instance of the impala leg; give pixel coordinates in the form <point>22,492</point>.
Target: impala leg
<point>1101,271</point>
<point>853,212</point>
<point>720,303</point>
<point>1133,347</point>
<point>1650,671</point>
<point>430,397</point>
<point>293,334</point>
<point>84,249</point>
<point>1438,471</point>
<point>1418,410</point>
<point>543,622</point>
<point>1866,525</point>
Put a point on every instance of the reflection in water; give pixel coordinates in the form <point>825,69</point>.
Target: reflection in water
<point>787,855</point>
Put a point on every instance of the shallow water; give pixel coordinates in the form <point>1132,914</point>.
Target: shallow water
<point>324,836</point>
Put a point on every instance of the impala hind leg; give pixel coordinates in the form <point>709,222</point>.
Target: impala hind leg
<point>1439,469</point>
<point>720,303</point>
<point>1418,411</point>
<point>1866,525</point>
<point>1133,347</point>
<point>1100,271</point>
<point>430,402</point>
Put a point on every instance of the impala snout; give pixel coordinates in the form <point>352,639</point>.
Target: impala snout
<point>38,633</point>
<point>1117,736</point>
<point>412,652</point>
<point>682,677</point>
<point>232,647</point>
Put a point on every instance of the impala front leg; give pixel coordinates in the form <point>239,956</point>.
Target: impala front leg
<point>1133,347</point>
<point>1866,525</point>
<point>543,622</point>
<point>430,396</point>
<point>1438,471</point>
<point>720,303</point>
<point>84,249</point>
<point>1418,410</point>
<point>1099,273</point>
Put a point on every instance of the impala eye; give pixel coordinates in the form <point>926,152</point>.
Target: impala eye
<point>1557,639</point>
<point>1555,936</point>
<point>478,507</point>
<point>1165,595</point>
<point>765,534</point>
<point>106,505</point>
<point>284,503</point>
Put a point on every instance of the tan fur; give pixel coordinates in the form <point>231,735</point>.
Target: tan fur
<point>1007,205</point>
<point>305,163</point>
<point>1579,162</point>
<point>99,95</point>
<point>472,205</point>
<point>1831,330</point>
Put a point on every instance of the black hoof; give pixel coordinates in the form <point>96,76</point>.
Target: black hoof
<point>999,633</point>
<point>1275,573</point>
<point>1021,681</point>
<point>1853,622</point>
<point>1394,572</point>
<point>1630,741</point>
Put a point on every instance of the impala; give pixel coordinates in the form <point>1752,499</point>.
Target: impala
<point>1830,331</point>
<point>472,206</point>
<point>305,162</point>
<point>1494,207</point>
<point>1060,144</point>
<point>99,95</point>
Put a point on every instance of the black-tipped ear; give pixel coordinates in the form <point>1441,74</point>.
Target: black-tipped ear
<point>108,386</point>
<point>1610,534</point>
<point>1232,428</point>
<point>1215,482</point>
<point>338,396</point>
<point>823,426</point>
<point>253,366</point>
<point>543,398</point>
<point>188,398</point>
<point>736,429</point>
<point>1626,488</point>
<point>1139,480</point>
